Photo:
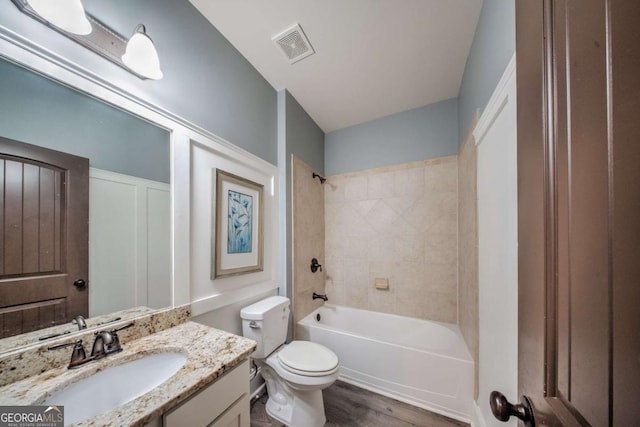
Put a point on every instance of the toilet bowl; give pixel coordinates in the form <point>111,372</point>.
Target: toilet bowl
<point>305,365</point>
<point>295,386</point>
<point>295,373</point>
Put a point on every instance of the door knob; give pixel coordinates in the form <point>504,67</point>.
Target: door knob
<point>80,283</point>
<point>503,410</point>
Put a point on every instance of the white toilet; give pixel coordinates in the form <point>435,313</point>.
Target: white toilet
<point>296,372</point>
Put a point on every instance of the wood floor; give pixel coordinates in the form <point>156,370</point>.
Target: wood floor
<point>347,405</point>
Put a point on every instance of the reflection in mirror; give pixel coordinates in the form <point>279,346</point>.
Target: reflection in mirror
<point>65,330</point>
<point>129,233</point>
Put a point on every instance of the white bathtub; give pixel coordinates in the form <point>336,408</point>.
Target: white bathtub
<point>420,362</point>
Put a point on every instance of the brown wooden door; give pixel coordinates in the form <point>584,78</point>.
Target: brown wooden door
<point>578,73</point>
<point>44,210</point>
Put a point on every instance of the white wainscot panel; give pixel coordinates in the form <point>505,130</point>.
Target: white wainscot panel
<point>129,242</point>
<point>206,293</point>
<point>496,139</point>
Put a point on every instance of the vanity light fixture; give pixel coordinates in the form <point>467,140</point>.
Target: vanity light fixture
<point>141,55</point>
<point>137,55</point>
<point>67,15</point>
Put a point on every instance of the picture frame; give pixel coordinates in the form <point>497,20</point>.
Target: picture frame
<point>238,242</point>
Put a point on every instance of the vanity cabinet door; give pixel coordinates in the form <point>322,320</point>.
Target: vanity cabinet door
<point>223,403</point>
<point>236,416</point>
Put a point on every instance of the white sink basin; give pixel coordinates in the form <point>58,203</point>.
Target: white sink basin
<point>115,386</point>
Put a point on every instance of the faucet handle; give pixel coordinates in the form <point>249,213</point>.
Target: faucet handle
<point>78,355</point>
<point>75,343</point>
<point>116,338</point>
<point>114,331</point>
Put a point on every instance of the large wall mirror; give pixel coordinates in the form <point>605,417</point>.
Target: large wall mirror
<point>129,196</point>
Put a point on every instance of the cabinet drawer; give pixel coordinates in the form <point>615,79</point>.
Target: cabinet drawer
<point>203,408</point>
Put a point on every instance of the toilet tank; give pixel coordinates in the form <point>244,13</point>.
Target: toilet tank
<point>266,323</point>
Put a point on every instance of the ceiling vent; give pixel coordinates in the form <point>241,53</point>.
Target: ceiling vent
<point>294,44</point>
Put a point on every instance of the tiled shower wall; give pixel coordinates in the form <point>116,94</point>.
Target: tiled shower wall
<point>307,200</point>
<point>397,223</point>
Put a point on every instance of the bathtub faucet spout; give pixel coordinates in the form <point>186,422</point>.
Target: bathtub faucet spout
<point>320,296</point>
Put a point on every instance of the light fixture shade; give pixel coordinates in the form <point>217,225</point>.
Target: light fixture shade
<point>67,15</point>
<point>141,55</point>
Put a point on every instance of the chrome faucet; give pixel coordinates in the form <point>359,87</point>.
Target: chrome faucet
<point>320,296</point>
<point>79,320</point>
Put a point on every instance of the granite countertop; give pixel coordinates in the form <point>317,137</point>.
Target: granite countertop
<point>210,353</point>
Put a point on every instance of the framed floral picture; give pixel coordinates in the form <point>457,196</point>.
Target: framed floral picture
<point>238,236</point>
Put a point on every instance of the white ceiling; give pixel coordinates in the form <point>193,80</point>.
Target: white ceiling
<point>373,57</point>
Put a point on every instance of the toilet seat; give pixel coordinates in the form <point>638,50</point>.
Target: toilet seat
<point>308,359</point>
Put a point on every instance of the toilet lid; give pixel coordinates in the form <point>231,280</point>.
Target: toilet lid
<point>308,357</point>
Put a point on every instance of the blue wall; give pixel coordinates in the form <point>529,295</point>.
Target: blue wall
<point>493,46</point>
<point>305,139</point>
<point>48,114</point>
<point>434,130</point>
<point>206,80</point>
<point>418,134</point>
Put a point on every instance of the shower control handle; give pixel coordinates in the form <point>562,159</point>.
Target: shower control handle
<point>315,266</point>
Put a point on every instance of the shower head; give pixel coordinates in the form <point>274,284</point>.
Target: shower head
<point>320,177</point>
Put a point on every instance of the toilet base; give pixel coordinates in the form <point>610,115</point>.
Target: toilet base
<point>294,408</point>
<point>306,410</point>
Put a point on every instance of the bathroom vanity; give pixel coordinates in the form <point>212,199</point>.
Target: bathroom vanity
<point>210,385</point>
<point>224,403</point>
